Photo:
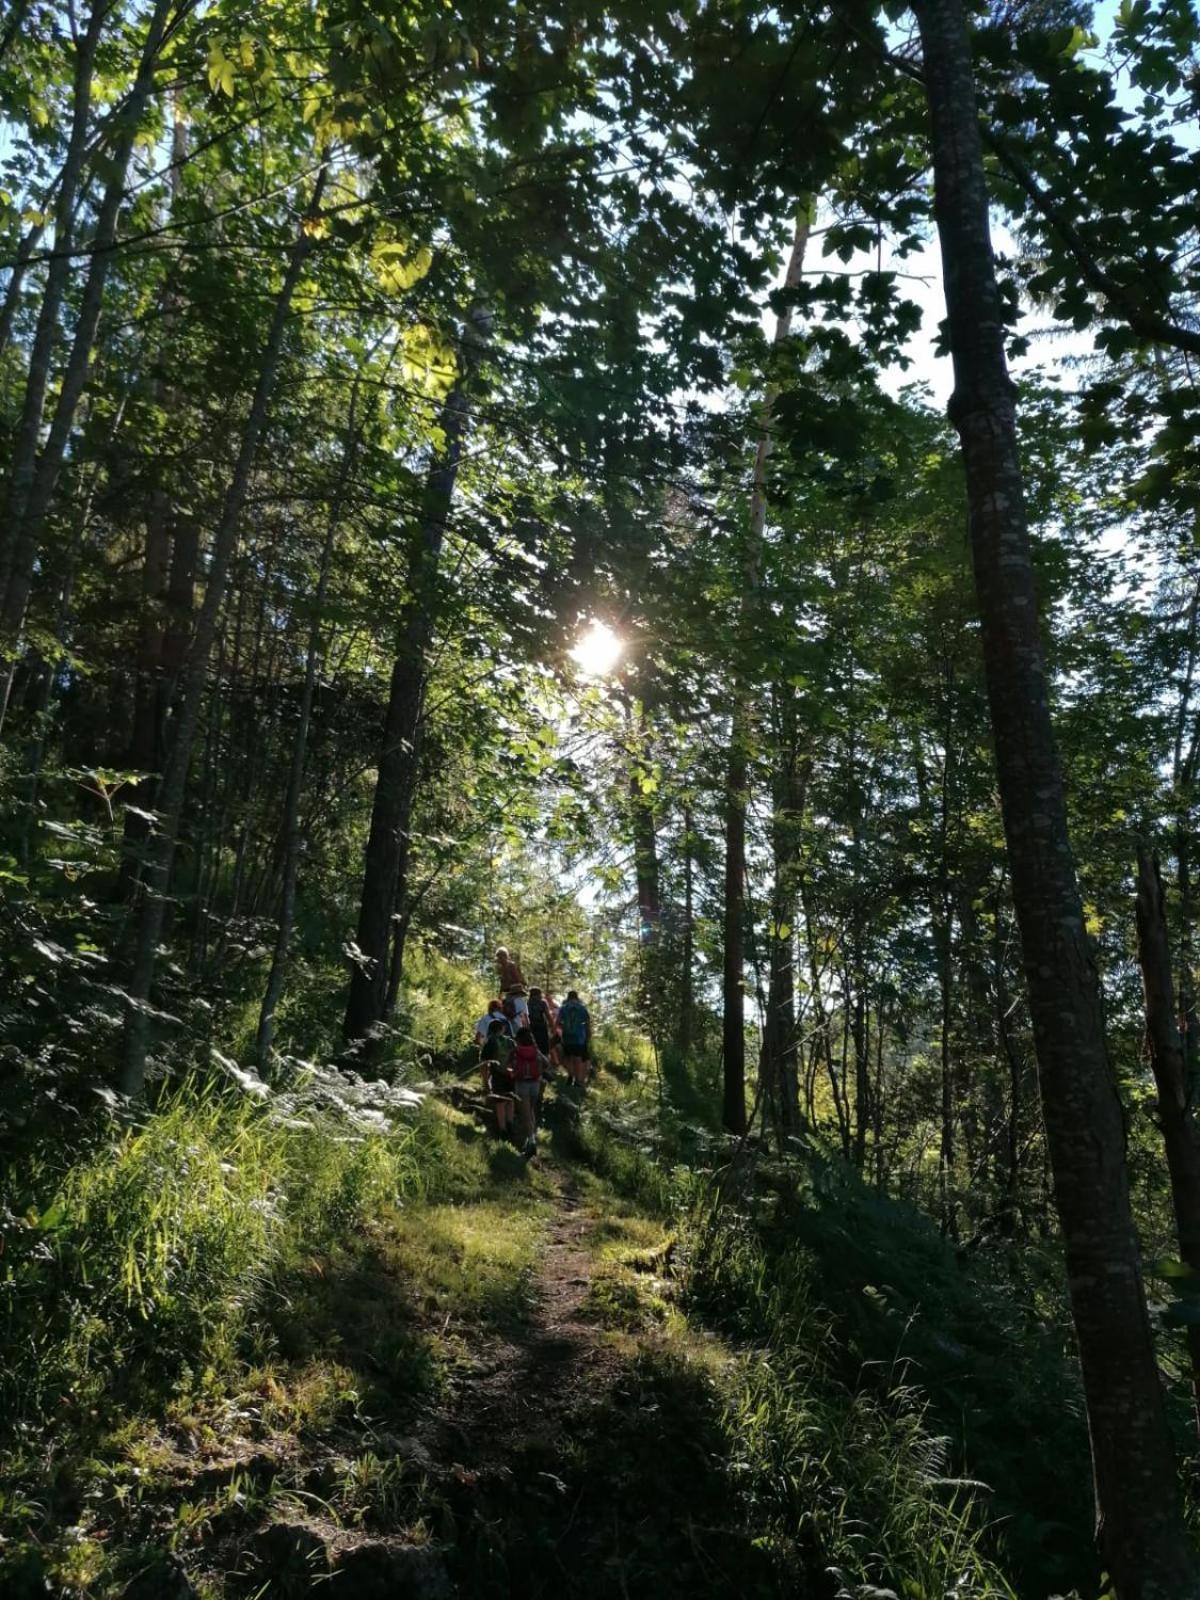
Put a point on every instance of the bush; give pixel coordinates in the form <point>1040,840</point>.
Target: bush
<point>817,1464</point>
<point>150,1251</point>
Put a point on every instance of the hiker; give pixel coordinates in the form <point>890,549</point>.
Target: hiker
<point>508,971</point>
<point>495,1060</point>
<point>540,1024</point>
<point>516,1008</point>
<point>528,1068</point>
<point>555,1035</point>
<point>495,1011</point>
<point>575,1023</point>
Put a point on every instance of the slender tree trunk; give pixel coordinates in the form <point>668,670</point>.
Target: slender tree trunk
<point>733,1025</point>
<point>1168,1059</point>
<point>687,988</point>
<point>733,1014</point>
<point>149,697</point>
<point>1139,1523</point>
<point>779,1033</point>
<point>161,851</point>
<point>645,840</point>
<point>385,868</point>
<point>27,534</point>
<point>58,272</point>
<point>821,1028</point>
<point>1188,1013</point>
<point>145,746</point>
<point>292,832</point>
<point>862,1066</point>
<point>16,280</point>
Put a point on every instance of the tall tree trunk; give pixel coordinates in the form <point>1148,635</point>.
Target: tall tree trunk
<point>26,533</point>
<point>160,854</point>
<point>733,1023</point>
<point>778,1064</point>
<point>1188,1012</point>
<point>645,840</point>
<point>821,1028</point>
<point>1168,1059</point>
<point>149,696</point>
<point>16,280</point>
<point>733,1013</point>
<point>1139,1522</point>
<point>385,867</point>
<point>687,955</point>
<point>58,272</point>
<point>292,833</point>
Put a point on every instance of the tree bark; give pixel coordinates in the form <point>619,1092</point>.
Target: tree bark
<point>385,867</point>
<point>149,696</point>
<point>687,955</point>
<point>161,850</point>
<point>779,1033</point>
<point>733,1020</point>
<point>645,844</point>
<point>58,272</point>
<point>16,277</point>
<point>1139,1523</point>
<point>733,1012</point>
<point>25,535</point>
<point>292,832</point>
<point>1168,1059</point>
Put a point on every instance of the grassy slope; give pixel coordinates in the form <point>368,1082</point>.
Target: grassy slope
<point>242,1347</point>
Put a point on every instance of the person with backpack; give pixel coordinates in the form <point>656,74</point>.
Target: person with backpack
<point>540,1024</point>
<point>495,1010</point>
<point>527,1065</point>
<point>495,1060</point>
<point>516,1008</point>
<point>575,1024</point>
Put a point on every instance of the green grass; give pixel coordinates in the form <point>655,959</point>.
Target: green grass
<point>235,1309</point>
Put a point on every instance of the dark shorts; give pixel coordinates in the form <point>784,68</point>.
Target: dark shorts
<point>576,1048</point>
<point>541,1037</point>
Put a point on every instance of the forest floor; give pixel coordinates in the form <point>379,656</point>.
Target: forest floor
<point>498,1395</point>
<point>583,1375</point>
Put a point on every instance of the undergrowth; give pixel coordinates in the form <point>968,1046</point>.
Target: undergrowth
<point>820,1376</point>
<point>876,1377</point>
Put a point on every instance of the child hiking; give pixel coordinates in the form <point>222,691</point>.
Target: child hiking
<point>527,1064</point>
<point>495,1062</point>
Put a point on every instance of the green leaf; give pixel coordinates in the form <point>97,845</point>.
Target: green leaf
<point>1168,1267</point>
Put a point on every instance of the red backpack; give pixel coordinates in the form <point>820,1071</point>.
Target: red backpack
<point>529,1068</point>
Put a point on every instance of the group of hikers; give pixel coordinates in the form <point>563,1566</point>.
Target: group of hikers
<point>523,1036</point>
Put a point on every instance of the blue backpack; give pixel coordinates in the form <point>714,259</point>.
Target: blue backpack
<point>573,1020</point>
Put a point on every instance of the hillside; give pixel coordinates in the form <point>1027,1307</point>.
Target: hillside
<point>343,1340</point>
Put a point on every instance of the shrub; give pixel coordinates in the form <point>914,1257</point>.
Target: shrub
<point>151,1250</point>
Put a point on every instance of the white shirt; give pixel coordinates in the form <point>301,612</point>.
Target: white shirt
<point>484,1023</point>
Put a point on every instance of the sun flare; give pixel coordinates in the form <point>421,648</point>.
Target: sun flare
<point>598,651</point>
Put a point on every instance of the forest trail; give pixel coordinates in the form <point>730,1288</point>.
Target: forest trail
<point>521,1393</point>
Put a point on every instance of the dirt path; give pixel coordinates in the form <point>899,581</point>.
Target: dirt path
<point>522,1390</point>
